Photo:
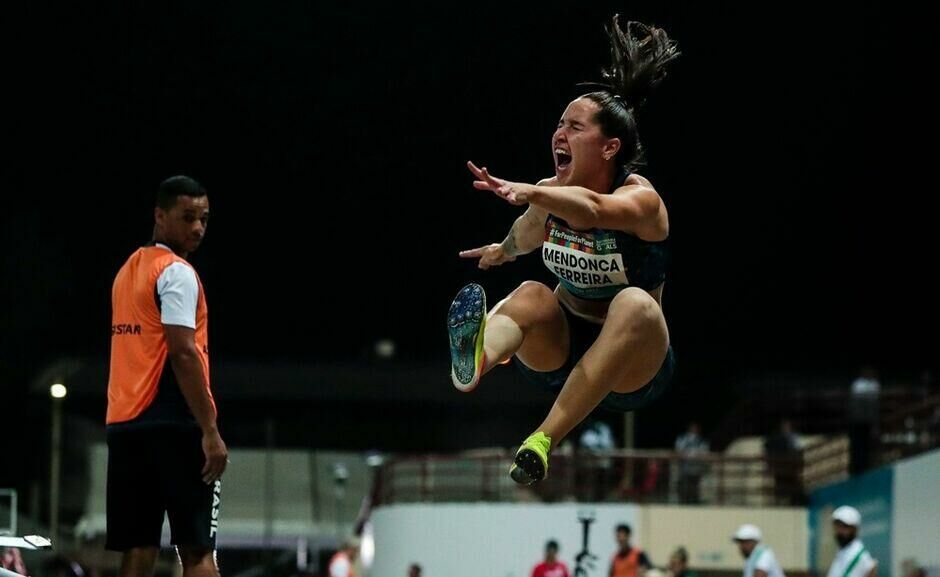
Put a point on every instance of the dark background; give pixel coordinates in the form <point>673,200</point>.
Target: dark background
<point>332,138</point>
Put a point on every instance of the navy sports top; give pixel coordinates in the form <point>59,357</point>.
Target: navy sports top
<point>598,263</point>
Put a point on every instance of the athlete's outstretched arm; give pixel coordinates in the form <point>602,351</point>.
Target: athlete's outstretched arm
<point>524,236</point>
<point>633,208</point>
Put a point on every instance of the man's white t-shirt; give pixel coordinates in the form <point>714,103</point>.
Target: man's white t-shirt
<point>846,556</point>
<point>763,558</point>
<point>178,291</point>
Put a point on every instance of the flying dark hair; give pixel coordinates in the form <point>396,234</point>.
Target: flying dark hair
<point>638,58</point>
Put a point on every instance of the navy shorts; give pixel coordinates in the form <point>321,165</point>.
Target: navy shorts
<point>583,334</point>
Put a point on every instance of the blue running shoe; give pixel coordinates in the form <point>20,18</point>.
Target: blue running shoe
<point>466,321</point>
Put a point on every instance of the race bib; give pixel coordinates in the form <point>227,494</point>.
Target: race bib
<point>586,260</point>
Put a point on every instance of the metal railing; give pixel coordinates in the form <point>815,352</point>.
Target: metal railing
<point>910,430</point>
<point>614,476</point>
<point>813,409</point>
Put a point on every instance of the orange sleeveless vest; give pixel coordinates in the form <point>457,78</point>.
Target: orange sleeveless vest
<point>626,566</point>
<point>138,344</point>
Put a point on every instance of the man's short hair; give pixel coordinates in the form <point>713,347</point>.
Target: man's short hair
<point>175,187</point>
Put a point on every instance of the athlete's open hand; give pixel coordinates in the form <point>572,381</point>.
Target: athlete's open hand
<point>489,255</point>
<point>512,192</point>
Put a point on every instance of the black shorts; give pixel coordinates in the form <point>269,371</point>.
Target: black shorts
<point>582,335</point>
<point>154,471</point>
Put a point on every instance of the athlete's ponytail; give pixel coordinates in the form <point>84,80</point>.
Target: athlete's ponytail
<point>638,58</point>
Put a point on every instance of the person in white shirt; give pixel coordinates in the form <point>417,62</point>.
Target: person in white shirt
<point>760,560</point>
<point>852,560</point>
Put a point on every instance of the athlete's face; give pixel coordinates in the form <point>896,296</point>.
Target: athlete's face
<point>746,547</point>
<point>184,225</point>
<point>580,148</point>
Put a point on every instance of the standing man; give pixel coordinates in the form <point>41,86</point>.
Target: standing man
<point>628,561</point>
<point>864,415</point>
<point>782,450</point>
<point>760,560</point>
<point>852,560</point>
<point>165,454</point>
<point>691,471</point>
<point>550,566</point>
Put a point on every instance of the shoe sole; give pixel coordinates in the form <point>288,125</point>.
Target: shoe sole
<point>466,319</point>
<point>528,467</point>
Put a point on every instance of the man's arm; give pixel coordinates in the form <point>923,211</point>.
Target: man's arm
<point>187,366</point>
<point>178,292</point>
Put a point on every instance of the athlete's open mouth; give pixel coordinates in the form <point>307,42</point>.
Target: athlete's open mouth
<point>562,158</point>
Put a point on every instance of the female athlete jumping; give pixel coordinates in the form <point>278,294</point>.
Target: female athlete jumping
<point>600,337</point>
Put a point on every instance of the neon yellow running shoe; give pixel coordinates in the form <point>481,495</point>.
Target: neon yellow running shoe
<point>531,462</point>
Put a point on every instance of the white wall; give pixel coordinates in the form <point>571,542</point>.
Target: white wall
<point>916,517</point>
<point>506,539</point>
<point>706,534</point>
<point>488,539</point>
